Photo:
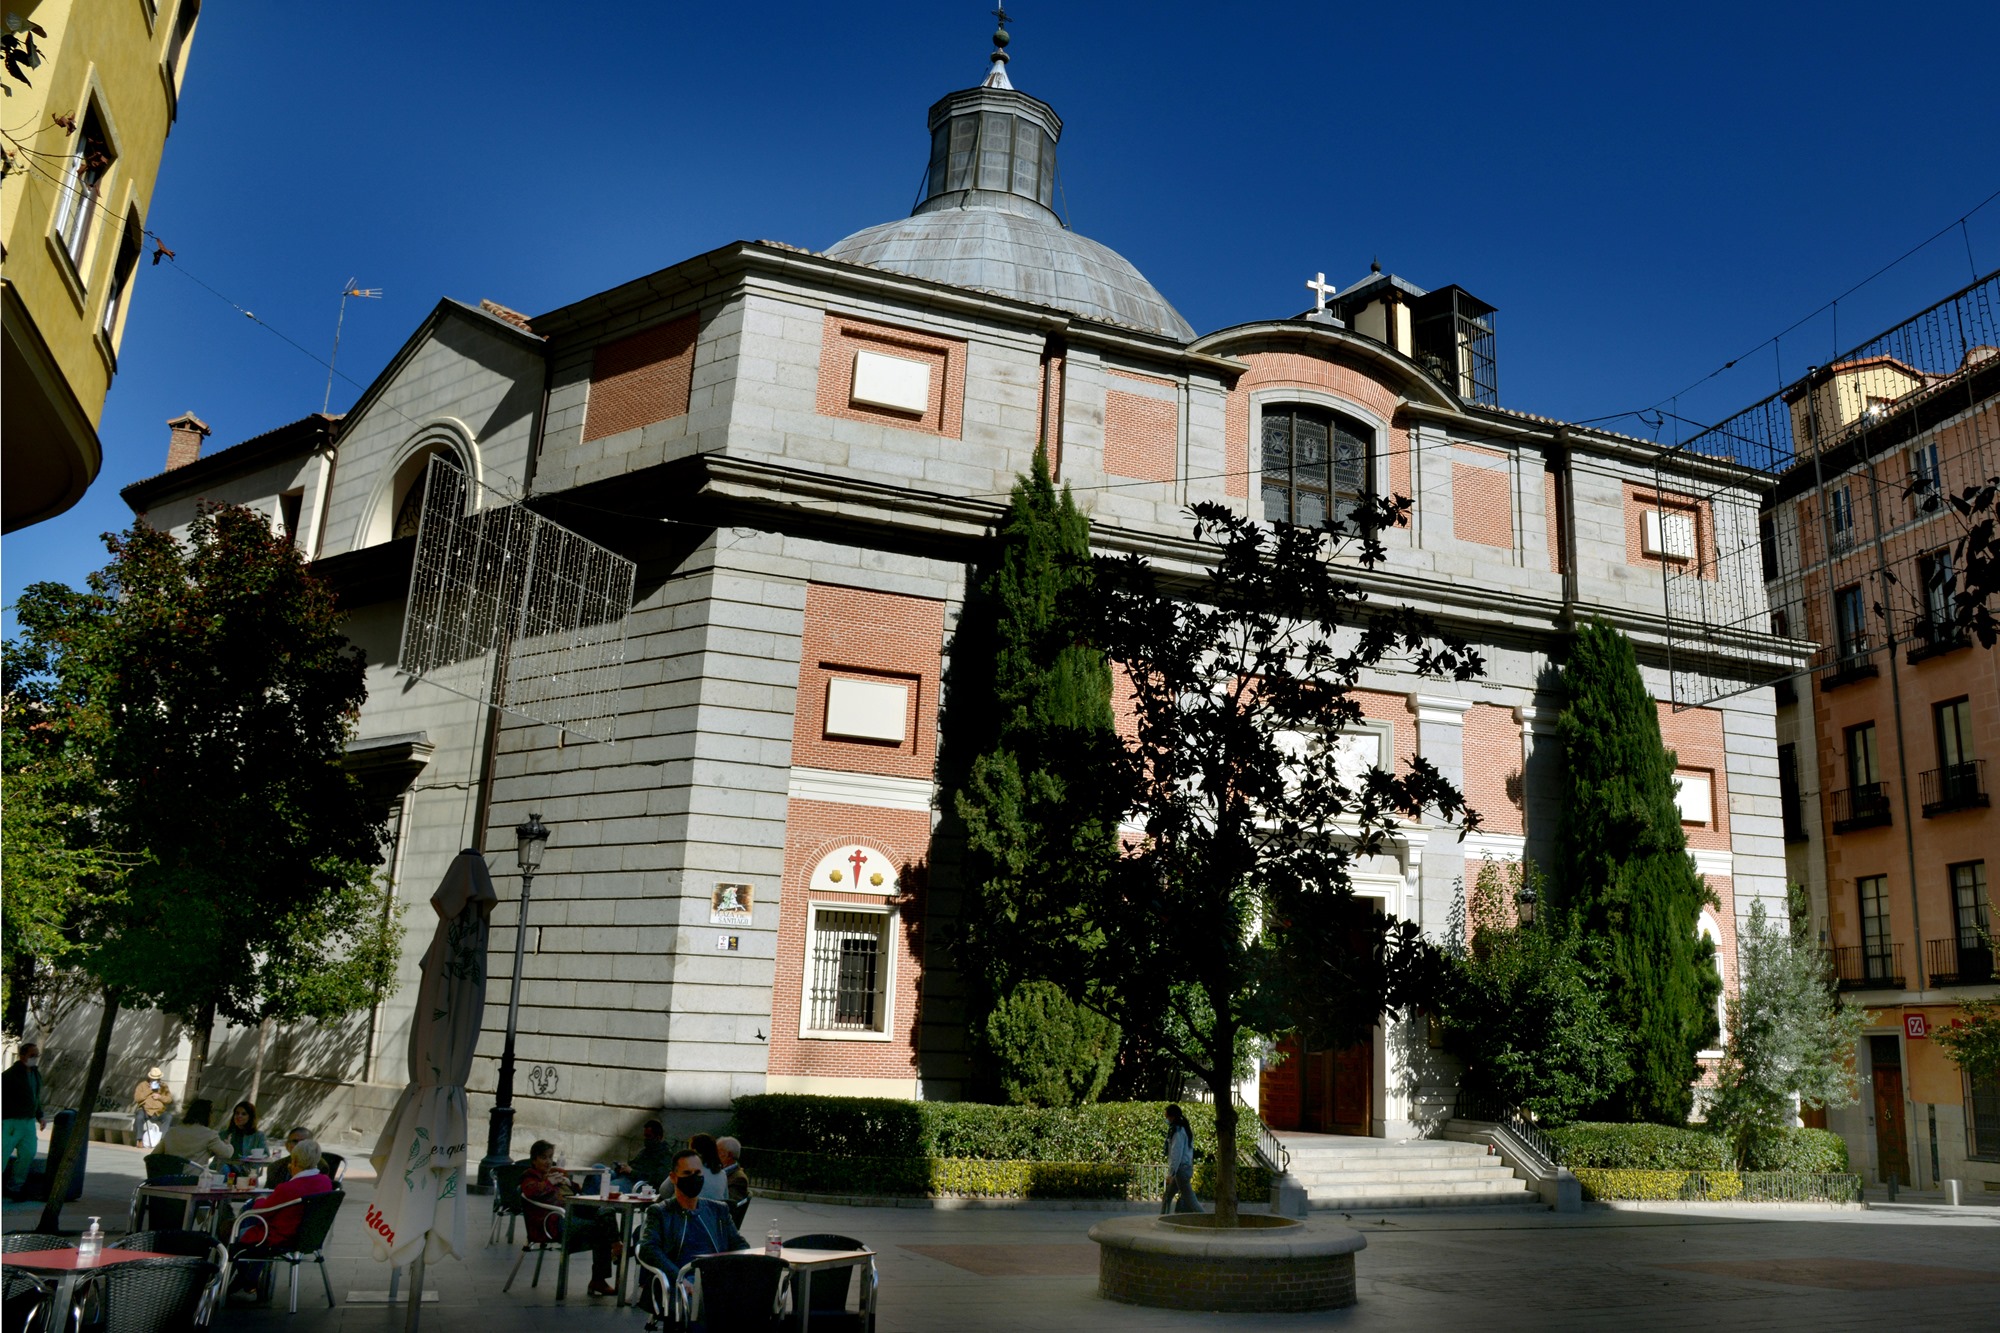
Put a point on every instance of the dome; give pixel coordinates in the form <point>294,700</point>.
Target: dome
<point>1025,258</point>
<point>985,220</point>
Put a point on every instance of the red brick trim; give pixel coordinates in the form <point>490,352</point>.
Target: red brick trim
<point>638,380</point>
<point>842,337</point>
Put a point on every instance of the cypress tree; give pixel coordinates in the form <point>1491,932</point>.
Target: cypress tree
<point>1026,703</point>
<point>1624,881</point>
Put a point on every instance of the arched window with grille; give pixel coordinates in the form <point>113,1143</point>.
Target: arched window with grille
<point>1316,466</point>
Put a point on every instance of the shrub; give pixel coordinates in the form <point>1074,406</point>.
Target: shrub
<point>1638,1147</point>
<point>886,1127</point>
<point>1794,1149</point>
<point>1720,1186</point>
<point>816,1173</point>
<point>1051,1050</point>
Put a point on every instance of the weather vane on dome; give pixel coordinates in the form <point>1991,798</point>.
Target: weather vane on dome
<point>997,76</point>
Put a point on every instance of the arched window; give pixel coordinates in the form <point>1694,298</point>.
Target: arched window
<point>1316,466</point>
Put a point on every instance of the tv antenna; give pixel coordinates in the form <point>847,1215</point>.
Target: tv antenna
<point>347,289</point>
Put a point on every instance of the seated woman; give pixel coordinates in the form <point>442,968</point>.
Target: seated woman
<point>244,1136</point>
<point>545,1183</point>
<point>268,1226</point>
<point>193,1139</point>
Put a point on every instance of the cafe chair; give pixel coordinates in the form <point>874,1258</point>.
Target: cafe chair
<point>535,1214</point>
<point>155,1295</point>
<point>308,1245</point>
<point>166,1164</point>
<point>661,1296</point>
<point>187,1245</point>
<point>746,1292</point>
<point>161,1214</point>
<point>334,1165</point>
<point>27,1294</point>
<point>507,1201</point>
<point>828,1297</point>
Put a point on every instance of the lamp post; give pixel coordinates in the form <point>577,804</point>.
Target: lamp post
<point>529,839</point>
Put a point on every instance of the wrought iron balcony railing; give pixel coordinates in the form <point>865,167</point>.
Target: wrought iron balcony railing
<point>1932,638</point>
<point>1868,967</point>
<point>1863,806</point>
<point>1954,787</point>
<point>1954,962</point>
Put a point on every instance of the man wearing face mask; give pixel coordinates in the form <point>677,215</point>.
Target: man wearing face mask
<point>685,1226</point>
<point>21,1098</point>
<point>150,1101</point>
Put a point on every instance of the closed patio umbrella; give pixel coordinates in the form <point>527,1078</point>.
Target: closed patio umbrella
<point>418,1212</point>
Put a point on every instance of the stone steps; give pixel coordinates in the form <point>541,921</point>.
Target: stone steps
<point>1371,1175</point>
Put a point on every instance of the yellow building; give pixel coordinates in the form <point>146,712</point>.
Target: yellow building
<point>83,140</point>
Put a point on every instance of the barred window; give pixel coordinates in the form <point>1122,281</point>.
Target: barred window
<point>847,971</point>
<point>1315,467</point>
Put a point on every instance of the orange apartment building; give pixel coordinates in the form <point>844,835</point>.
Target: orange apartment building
<point>1884,747</point>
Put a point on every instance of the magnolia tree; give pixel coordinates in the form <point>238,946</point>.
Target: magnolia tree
<point>1226,913</point>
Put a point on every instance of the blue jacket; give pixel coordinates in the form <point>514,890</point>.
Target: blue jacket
<point>676,1237</point>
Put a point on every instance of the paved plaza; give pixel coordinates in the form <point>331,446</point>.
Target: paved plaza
<point>1033,1268</point>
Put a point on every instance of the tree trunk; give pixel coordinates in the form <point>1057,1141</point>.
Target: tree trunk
<point>79,1134</point>
<point>198,1035</point>
<point>1225,1125</point>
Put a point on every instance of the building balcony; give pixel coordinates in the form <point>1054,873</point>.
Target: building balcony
<point>1954,787</point>
<point>1932,638</point>
<point>1868,967</point>
<point>1860,807</point>
<point>1953,962</point>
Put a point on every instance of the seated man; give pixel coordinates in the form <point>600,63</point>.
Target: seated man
<point>652,1166</point>
<point>193,1139</point>
<point>544,1183</point>
<point>729,1149</point>
<point>268,1225</point>
<point>686,1226</point>
<point>281,1169</point>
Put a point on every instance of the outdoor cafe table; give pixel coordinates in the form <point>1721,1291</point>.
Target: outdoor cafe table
<point>193,1195</point>
<point>73,1266</point>
<point>627,1206</point>
<point>805,1263</point>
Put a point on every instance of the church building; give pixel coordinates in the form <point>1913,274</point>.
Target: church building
<point>804,451</point>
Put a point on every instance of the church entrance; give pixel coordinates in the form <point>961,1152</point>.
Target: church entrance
<point>1319,1091</point>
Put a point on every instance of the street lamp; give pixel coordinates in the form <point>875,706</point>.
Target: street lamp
<point>1524,905</point>
<point>529,839</point>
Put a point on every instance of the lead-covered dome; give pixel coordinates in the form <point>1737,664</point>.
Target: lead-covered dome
<point>985,220</point>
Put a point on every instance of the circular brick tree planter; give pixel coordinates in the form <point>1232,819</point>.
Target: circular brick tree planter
<point>1187,1263</point>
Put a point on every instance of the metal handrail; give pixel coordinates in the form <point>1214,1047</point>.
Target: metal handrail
<point>1270,1148</point>
<point>1516,1122</point>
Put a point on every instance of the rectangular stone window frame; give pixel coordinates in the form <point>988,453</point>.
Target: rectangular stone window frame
<point>871,711</point>
<point>1283,395</point>
<point>1694,795</point>
<point>843,335</point>
<point>828,979</point>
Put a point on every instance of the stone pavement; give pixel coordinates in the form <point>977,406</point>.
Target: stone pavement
<point>1914,1265</point>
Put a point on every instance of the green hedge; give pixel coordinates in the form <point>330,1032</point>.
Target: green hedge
<point>819,1173</point>
<point>884,1127</point>
<point>1718,1186</point>
<point>1660,1148</point>
<point>1638,1148</point>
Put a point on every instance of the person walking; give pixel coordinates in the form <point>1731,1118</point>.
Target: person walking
<point>23,1113</point>
<point>150,1101</point>
<point>1179,1197</point>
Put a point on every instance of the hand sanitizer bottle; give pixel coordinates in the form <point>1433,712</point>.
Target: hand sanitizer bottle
<point>91,1243</point>
<point>774,1240</point>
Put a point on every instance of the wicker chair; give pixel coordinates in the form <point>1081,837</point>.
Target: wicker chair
<point>155,1295</point>
<point>829,1286</point>
<point>165,1164</point>
<point>26,1293</point>
<point>307,1245</point>
<point>163,1214</point>
<point>746,1292</point>
<point>187,1245</point>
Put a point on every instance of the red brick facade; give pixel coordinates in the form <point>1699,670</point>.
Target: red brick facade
<point>1695,737</point>
<point>641,379</point>
<point>1482,500</point>
<point>874,636</point>
<point>843,337</point>
<point>1141,431</point>
<point>1493,761</point>
<point>1639,499</point>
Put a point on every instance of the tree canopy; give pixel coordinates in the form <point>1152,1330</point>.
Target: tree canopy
<point>1624,881</point>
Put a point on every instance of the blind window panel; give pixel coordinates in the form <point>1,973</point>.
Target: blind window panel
<point>964,137</point>
<point>996,138</point>
<point>1027,157</point>
<point>1047,188</point>
<point>940,156</point>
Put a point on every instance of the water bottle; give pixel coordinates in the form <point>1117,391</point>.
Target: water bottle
<point>90,1244</point>
<point>774,1240</point>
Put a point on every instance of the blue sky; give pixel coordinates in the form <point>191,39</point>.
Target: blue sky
<point>1644,192</point>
